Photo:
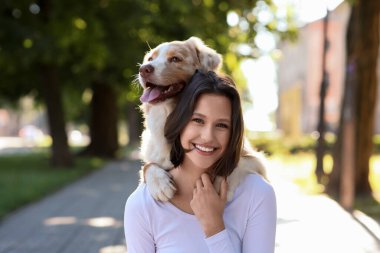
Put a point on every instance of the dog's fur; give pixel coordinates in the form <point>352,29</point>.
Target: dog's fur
<point>173,64</point>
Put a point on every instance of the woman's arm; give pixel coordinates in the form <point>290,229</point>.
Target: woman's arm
<point>261,226</point>
<point>136,225</point>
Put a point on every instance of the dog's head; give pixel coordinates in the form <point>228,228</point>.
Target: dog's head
<point>168,67</point>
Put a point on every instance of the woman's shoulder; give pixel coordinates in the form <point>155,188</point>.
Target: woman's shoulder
<point>139,198</point>
<point>137,214</point>
<point>257,186</point>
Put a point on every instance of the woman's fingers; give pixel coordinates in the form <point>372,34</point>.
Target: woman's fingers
<point>205,183</point>
<point>199,184</point>
<point>206,180</point>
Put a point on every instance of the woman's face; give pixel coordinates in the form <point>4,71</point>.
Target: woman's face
<point>208,131</point>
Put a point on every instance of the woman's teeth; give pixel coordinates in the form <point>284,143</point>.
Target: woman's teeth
<point>204,149</point>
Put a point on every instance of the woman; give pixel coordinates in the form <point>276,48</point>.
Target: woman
<point>206,133</point>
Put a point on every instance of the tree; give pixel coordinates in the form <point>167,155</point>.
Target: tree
<point>354,143</point>
<point>85,45</point>
<point>321,143</point>
<point>37,69</point>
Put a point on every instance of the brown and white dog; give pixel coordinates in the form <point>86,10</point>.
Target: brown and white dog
<point>165,71</point>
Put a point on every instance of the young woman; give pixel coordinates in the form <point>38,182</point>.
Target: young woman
<point>206,133</point>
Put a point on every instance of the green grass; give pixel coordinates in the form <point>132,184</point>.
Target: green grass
<point>371,204</point>
<point>25,178</point>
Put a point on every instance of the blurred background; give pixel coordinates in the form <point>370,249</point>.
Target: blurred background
<point>307,70</point>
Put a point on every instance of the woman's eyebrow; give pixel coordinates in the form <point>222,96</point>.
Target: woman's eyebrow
<point>225,120</point>
<point>203,116</point>
<point>198,114</point>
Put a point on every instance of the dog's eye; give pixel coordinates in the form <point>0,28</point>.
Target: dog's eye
<point>150,58</point>
<point>174,59</point>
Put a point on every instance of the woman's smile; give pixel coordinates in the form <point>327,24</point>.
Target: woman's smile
<point>204,150</point>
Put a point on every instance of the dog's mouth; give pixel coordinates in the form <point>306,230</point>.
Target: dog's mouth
<point>154,93</point>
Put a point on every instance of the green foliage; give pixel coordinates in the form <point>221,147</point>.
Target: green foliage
<point>104,40</point>
<point>24,178</point>
<point>277,144</point>
<point>376,142</point>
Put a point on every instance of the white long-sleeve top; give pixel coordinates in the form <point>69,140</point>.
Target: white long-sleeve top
<point>249,218</point>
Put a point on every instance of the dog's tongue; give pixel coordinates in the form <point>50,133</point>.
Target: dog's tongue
<point>150,94</point>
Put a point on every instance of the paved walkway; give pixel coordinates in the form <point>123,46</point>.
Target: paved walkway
<point>87,216</point>
<point>317,224</point>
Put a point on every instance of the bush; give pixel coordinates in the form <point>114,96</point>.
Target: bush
<point>271,143</point>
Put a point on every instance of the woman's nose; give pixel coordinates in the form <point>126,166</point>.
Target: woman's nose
<point>207,133</point>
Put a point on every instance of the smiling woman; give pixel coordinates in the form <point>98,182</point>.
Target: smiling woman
<point>205,131</point>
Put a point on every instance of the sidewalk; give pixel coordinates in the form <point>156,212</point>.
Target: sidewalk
<point>308,223</point>
<point>87,216</point>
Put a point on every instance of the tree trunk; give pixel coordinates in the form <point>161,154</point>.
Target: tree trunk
<point>103,122</point>
<point>321,144</point>
<point>51,89</point>
<point>61,156</point>
<point>361,84</point>
<point>134,123</point>
<point>367,15</point>
<point>334,185</point>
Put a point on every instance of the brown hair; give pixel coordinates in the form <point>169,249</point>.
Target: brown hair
<point>207,83</point>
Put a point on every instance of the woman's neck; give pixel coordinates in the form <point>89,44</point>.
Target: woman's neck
<point>185,176</point>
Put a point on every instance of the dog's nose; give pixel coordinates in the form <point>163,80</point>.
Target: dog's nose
<point>146,70</point>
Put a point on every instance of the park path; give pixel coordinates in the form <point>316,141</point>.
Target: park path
<point>87,216</point>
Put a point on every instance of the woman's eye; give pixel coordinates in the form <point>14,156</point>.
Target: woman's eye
<point>174,59</point>
<point>222,125</point>
<point>197,120</point>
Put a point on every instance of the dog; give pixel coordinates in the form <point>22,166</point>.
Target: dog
<point>166,69</point>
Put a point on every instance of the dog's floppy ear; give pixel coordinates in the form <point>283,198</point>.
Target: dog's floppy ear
<point>208,58</point>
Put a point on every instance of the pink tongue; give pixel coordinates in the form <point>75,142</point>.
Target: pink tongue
<point>150,94</point>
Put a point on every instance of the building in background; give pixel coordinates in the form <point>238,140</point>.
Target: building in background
<point>300,73</point>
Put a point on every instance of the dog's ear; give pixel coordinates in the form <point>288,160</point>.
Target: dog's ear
<point>208,58</point>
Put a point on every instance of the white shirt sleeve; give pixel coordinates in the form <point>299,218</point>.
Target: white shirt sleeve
<point>220,243</point>
<point>138,238</point>
<point>261,226</point>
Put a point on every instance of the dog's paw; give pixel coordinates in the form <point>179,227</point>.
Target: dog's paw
<point>160,183</point>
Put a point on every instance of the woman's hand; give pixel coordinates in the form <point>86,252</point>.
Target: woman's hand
<point>208,205</point>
